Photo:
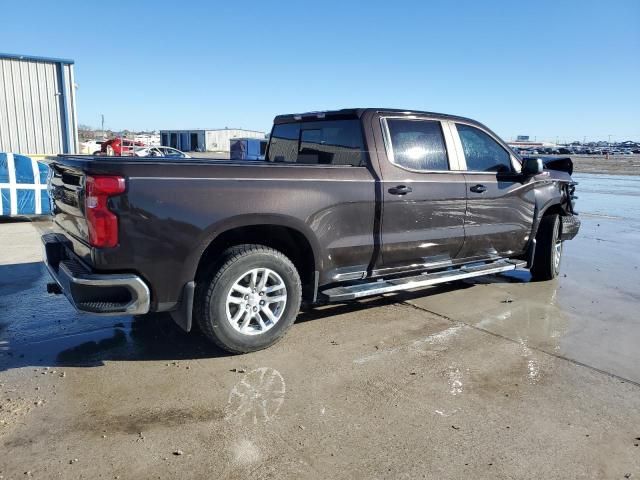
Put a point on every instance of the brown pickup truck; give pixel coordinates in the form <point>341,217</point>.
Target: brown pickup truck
<point>346,204</point>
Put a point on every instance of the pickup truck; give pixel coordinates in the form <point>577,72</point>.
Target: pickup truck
<point>346,204</point>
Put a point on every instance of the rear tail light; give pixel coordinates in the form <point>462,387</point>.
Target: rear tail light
<point>102,222</point>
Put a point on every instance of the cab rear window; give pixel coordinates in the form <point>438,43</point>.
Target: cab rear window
<point>329,142</point>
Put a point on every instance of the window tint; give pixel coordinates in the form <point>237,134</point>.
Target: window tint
<point>418,144</point>
<point>483,153</point>
<point>330,142</point>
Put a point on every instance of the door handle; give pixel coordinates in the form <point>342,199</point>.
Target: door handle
<point>478,188</point>
<point>400,190</point>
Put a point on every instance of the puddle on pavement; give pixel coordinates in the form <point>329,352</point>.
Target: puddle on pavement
<point>589,314</point>
<point>37,328</point>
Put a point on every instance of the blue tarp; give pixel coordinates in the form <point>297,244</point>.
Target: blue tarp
<point>23,186</point>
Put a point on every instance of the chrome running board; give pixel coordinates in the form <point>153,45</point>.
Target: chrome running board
<point>350,292</point>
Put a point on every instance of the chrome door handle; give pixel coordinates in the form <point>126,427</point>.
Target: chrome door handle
<point>478,188</point>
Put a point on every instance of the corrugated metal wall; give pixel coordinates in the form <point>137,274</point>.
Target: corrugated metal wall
<point>37,106</point>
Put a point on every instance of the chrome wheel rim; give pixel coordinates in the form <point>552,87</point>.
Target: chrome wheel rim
<point>256,301</point>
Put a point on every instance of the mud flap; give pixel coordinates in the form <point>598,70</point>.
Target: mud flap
<point>183,315</point>
<point>531,253</point>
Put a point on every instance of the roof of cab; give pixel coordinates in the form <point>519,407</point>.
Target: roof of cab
<point>347,113</point>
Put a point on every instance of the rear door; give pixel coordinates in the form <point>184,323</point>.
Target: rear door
<point>423,195</point>
<point>500,202</point>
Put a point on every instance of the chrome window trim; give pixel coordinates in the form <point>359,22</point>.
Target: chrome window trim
<point>515,164</point>
<point>389,147</point>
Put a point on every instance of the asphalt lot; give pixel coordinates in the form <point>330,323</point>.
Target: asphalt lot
<point>491,378</point>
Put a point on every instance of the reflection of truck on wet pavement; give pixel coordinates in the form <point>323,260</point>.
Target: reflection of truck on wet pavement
<point>347,204</point>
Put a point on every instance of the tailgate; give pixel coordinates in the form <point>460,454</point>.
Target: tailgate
<point>66,190</point>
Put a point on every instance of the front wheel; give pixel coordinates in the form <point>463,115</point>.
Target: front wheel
<point>250,300</point>
<point>546,260</point>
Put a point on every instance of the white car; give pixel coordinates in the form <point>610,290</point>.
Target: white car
<point>160,152</point>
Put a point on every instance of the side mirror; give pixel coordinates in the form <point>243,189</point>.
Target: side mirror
<point>532,166</point>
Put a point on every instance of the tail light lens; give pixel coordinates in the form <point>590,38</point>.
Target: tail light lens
<point>102,222</point>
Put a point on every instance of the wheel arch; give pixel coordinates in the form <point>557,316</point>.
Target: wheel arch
<point>289,236</point>
<point>549,200</point>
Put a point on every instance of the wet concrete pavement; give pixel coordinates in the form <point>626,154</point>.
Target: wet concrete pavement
<point>491,378</point>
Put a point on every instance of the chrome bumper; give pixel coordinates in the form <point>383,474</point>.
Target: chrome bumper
<point>88,292</point>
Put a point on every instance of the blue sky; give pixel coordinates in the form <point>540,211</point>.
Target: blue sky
<point>543,68</point>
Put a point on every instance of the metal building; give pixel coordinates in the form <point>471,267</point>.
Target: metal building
<point>37,105</point>
<point>203,140</point>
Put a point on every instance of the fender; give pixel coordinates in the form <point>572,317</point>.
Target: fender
<point>548,196</point>
<point>248,220</point>
<point>183,311</point>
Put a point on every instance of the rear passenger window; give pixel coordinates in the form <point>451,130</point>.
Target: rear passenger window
<point>482,153</point>
<point>330,142</point>
<point>418,144</point>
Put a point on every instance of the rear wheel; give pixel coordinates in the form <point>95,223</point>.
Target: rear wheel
<point>548,254</point>
<point>250,300</point>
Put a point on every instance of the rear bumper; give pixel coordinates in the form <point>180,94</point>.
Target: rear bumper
<point>89,292</point>
<point>570,227</point>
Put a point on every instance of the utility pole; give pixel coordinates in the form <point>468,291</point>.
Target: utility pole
<point>102,123</point>
<point>609,139</point>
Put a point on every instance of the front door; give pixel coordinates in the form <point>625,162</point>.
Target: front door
<point>423,196</point>
<point>500,202</point>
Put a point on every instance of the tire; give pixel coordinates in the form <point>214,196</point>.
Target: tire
<point>236,320</point>
<point>546,259</point>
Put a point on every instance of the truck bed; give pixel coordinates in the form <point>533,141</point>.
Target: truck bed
<point>172,209</point>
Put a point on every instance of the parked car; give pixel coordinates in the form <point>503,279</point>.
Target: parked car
<point>160,152</point>
<point>118,147</point>
<point>89,147</point>
<point>348,203</point>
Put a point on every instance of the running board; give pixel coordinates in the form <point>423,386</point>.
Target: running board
<point>350,292</point>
